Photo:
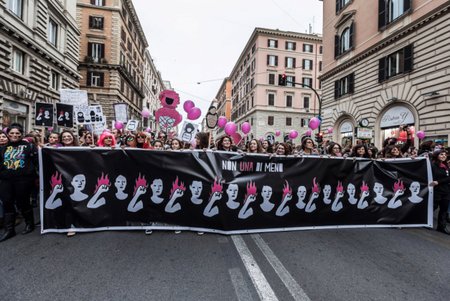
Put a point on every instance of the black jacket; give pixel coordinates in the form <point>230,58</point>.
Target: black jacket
<point>18,159</point>
<point>441,175</point>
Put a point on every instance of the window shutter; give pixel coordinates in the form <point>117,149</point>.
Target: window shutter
<point>336,46</point>
<point>295,45</point>
<point>303,63</point>
<point>382,70</point>
<point>381,13</point>
<point>268,43</point>
<point>286,45</point>
<point>89,76</point>
<point>102,50</point>
<point>293,81</point>
<point>102,80</point>
<point>351,83</point>
<point>276,60</point>
<point>91,22</point>
<point>406,5</point>
<point>352,33</point>
<point>311,65</point>
<point>268,59</point>
<point>338,6</point>
<point>285,62</point>
<point>336,89</point>
<point>304,48</point>
<point>93,2</point>
<point>276,44</point>
<point>293,63</point>
<point>408,58</point>
<point>90,49</point>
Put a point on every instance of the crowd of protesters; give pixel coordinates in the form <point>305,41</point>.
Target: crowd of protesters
<point>18,170</point>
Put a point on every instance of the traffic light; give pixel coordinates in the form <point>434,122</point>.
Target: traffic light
<point>319,137</point>
<point>281,79</point>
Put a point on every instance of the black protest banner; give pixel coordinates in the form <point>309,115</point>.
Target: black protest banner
<point>105,189</point>
<point>43,114</point>
<point>64,115</point>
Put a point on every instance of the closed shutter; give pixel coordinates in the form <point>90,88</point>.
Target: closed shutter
<point>295,45</point>
<point>336,89</point>
<point>293,81</point>
<point>102,80</point>
<point>338,6</point>
<point>406,5</point>
<point>293,63</point>
<point>352,34</point>
<point>351,83</point>
<point>381,14</point>
<point>89,76</point>
<point>382,70</point>
<point>336,46</point>
<point>276,60</point>
<point>268,59</point>
<point>408,58</point>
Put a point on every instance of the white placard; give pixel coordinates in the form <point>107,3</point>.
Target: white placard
<point>121,112</point>
<point>396,116</point>
<point>132,125</point>
<point>188,131</point>
<point>73,97</point>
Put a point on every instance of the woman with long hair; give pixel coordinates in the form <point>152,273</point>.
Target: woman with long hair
<point>392,152</point>
<point>308,147</point>
<point>359,151</point>
<point>267,147</point>
<point>176,144</point>
<point>334,149</point>
<point>143,140</point>
<point>283,149</point>
<point>107,139</point>
<point>66,138</point>
<point>226,144</point>
<point>254,146</point>
<point>441,176</point>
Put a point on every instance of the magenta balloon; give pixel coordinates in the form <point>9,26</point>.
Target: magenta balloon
<point>50,129</point>
<point>277,133</point>
<point>330,130</point>
<point>118,125</point>
<point>188,105</point>
<point>145,113</point>
<point>148,130</point>
<point>420,134</point>
<point>236,137</point>
<point>194,113</point>
<point>246,128</point>
<point>308,133</point>
<point>230,128</point>
<point>314,123</point>
<point>222,121</point>
<point>293,134</point>
<point>5,130</point>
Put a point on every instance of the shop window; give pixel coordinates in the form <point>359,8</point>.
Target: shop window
<point>397,63</point>
<point>391,10</point>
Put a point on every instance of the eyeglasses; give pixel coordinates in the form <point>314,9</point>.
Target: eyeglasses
<point>142,137</point>
<point>130,138</point>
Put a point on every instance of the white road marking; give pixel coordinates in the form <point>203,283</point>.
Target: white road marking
<point>294,288</point>
<point>240,285</point>
<point>260,282</point>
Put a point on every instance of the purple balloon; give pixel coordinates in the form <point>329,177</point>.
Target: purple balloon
<point>50,129</point>
<point>5,130</point>
<point>188,105</point>
<point>246,128</point>
<point>194,113</point>
<point>277,133</point>
<point>145,113</point>
<point>293,134</point>
<point>330,130</point>
<point>118,125</point>
<point>420,135</point>
<point>314,123</point>
<point>230,128</point>
<point>222,121</point>
<point>148,130</point>
<point>308,133</point>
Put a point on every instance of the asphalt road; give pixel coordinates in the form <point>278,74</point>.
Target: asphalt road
<point>354,264</point>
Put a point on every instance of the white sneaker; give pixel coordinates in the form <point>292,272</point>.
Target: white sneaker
<point>200,233</point>
<point>148,232</point>
<point>177,231</point>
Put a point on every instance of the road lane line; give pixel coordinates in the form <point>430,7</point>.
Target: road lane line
<point>260,282</point>
<point>240,285</point>
<point>293,287</point>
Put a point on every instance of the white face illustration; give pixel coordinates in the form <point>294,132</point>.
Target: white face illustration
<point>196,188</point>
<point>266,193</point>
<point>351,189</point>
<point>301,192</point>
<point>378,188</point>
<point>232,191</point>
<point>121,183</point>
<point>414,188</point>
<point>327,191</point>
<point>79,182</point>
<point>157,187</point>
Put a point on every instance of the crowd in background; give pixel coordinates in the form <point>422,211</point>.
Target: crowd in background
<point>18,152</point>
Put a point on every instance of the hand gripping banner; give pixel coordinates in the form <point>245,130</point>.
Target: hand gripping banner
<point>85,189</point>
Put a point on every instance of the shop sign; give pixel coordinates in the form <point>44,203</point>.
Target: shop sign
<point>396,116</point>
<point>364,133</point>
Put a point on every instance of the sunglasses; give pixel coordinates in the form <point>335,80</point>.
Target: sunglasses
<point>130,139</point>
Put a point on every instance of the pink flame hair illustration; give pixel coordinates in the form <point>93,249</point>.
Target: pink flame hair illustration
<point>56,179</point>
<point>251,189</point>
<point>339,188</point>
<point>398,186</point>
<point>103,180</point>
<point>140,182</point>
<point>316,187</point>
<point>176,186</point>
<point>286,189</point>
<point>364,187</point>
<point>217,187</point>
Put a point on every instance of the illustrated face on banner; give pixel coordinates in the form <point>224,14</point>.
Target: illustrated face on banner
<point>157,187</point>
<point>351,190</point>
<point>56,182</point>
<point>121,184</point>
<point>232,192</point>
<point>266,193</point>
<point>301,192</point>
<point>415,189</point>
<point>196,188</point>
<point>327,191</point>
<point>78,183</point>
<point>46,114</point>
<point>378,189</point>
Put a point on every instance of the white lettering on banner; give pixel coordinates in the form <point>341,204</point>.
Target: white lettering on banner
<point>397,116</point>
<point>251,167</point>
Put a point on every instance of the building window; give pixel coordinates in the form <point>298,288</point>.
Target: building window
<point>16,7</point>
<point>272,60</point>
<point>54,80</point>
<point>303,123</point>
<point>289,62</point>
<point>98,2</point>
<point>96,79</point>
<point>320,66</point>
<point>271,99</point>
<point>253,48</point>
<point>340,4</point>
<point>52,32</point>
<point>290,45</point>
<point>344,41</point>
<point>306,102</point>
<point>308,48</point>
<point>288,121</point>
<point>97,23</point>
<point>307,81</point>
<point>391,10</point>
<point>272,43</point>
<point>271,79</point>
<point>344,86</point>
<point>320,49</point>
<point>290,81</point>
<point>96,51</point>
<point>123,35</point>
<point>396,63</point>
<point>289,101</point>
<point>18,61</point>
<point>307,64</point>
<point>270,120</point>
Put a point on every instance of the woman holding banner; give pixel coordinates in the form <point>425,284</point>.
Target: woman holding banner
<point>441,186</point>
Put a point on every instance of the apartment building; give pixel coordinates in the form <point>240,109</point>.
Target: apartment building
<point>153,85</point>
<point>39,46</point>
<point>257,97</point>
<point>114,65</point>
<point>223,104</point>
<point>386,64</point>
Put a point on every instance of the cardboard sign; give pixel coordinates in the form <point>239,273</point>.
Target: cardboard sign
<point>43,114</point>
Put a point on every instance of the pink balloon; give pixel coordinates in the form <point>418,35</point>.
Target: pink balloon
<point>420,135</point>
<point>308,133</point>
<point>314,123</point>
<point>194,113</point>
<point>145,113</point>
<point>330,130</point>
<point>118,125</point>
<point>5,130</point>
<point>236,137</point>
<point>148,130</point>
<point>230,128</point>
<point>246,128</point>
<point>277,133</point>
<point>222,121</point>
<point>188,105</point>
<point>50,129</point>
<point>293,134</point>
